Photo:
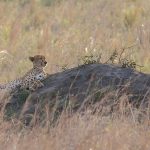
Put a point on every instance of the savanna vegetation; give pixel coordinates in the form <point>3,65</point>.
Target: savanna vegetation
<point>66,31</point>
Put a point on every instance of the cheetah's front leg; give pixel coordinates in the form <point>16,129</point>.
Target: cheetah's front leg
<point>35,85</point>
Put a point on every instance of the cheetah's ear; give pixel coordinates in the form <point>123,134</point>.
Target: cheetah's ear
<point>31,58</point>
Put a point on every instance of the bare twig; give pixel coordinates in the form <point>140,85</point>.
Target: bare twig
<point>123,49</point>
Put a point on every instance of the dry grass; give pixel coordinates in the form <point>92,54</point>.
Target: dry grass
<point>64,32</point>
<point>71,29</point>
<point>80,132</point>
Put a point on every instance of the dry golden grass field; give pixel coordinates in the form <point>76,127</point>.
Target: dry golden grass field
<point>65,31</point>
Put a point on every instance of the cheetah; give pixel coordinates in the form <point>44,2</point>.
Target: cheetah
<point>32,79</point>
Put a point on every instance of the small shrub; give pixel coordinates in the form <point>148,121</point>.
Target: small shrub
<point>131,15</point>
<point>5,34</point>
<point>91,59</point>
<point>48,2</point>
<point>64,67</point>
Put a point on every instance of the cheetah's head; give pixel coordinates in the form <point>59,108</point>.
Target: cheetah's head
<point>38,61</point>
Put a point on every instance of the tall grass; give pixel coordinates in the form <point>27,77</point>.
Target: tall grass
<point>79,132</point>
<point>64,31</point>
<point>69,29</point>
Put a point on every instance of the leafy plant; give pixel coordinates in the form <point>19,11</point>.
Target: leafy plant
<point>91,59</point>
<point>128,64</point>
<point>64,67</point>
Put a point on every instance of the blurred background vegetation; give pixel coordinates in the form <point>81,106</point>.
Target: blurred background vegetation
<point>66,30</point>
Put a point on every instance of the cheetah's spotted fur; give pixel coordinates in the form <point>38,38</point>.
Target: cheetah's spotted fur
<point>32,79</point>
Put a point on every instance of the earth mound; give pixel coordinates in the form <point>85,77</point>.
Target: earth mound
<point>100,87</point>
